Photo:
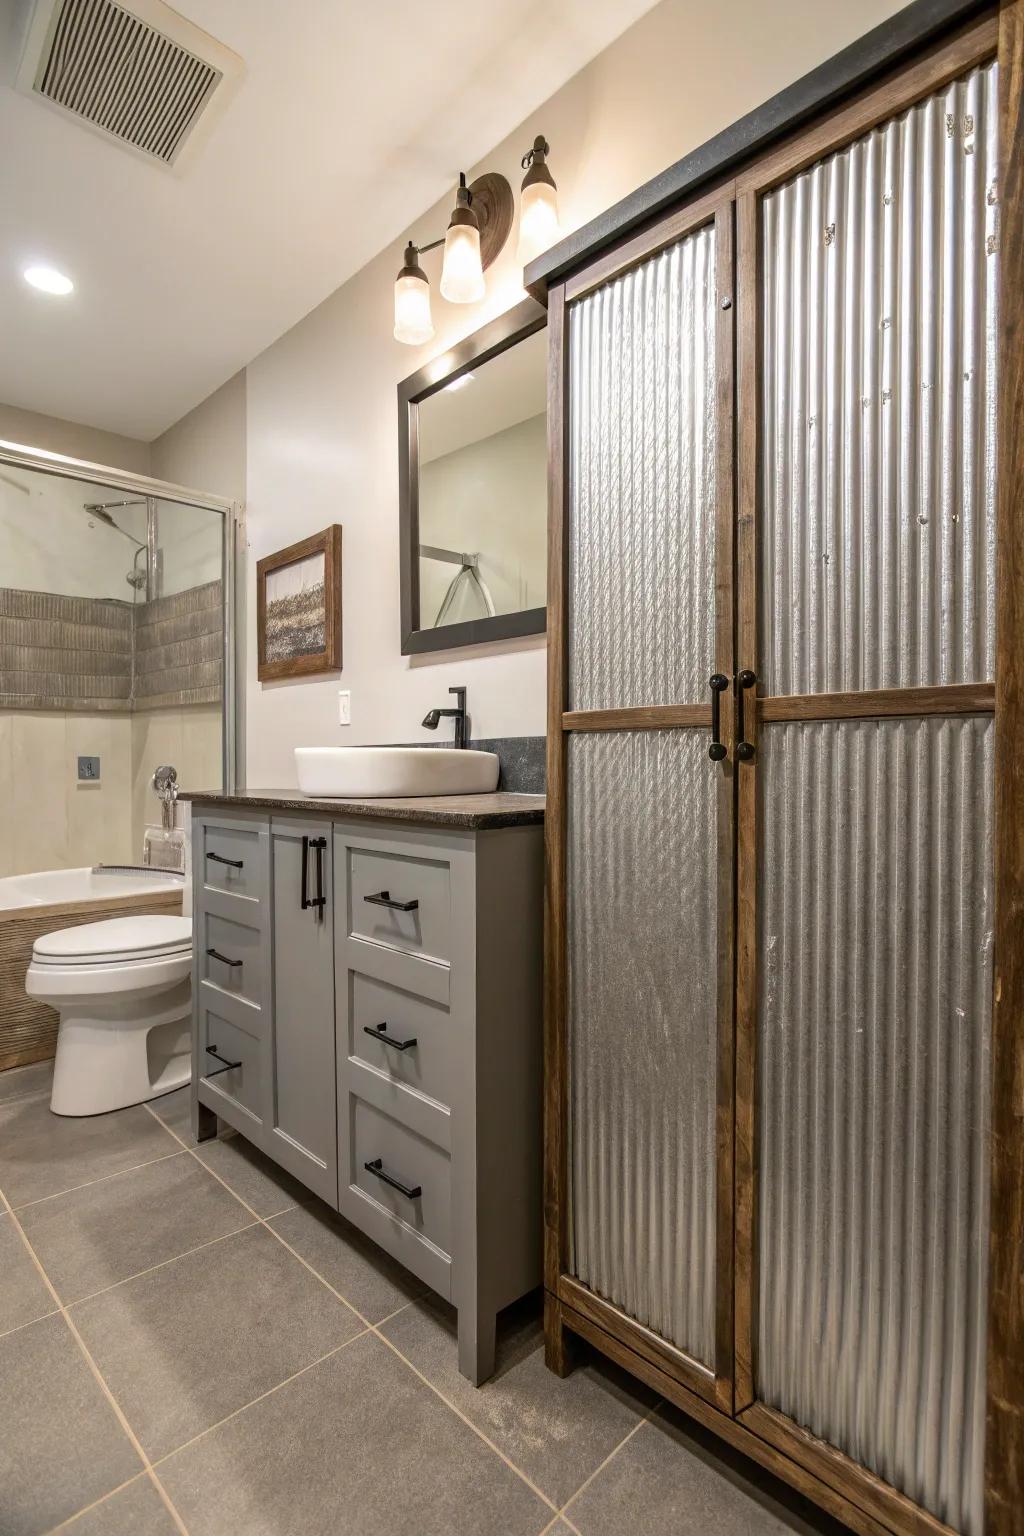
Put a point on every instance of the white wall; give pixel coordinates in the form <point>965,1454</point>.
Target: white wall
<point>50,544</point>
<point>206,448</point>
<point>322,413</point>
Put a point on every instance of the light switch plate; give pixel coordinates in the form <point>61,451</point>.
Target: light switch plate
<point>344,706</point>
<point>88,770</point>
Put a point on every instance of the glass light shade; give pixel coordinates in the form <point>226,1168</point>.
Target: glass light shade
<point>462,276</point>
<point>538,221</point>
<point>413,322</point>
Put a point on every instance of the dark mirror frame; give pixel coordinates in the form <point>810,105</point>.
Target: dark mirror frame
<point>489,341</point>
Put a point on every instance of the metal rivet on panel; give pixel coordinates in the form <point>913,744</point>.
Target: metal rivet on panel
<point>990,245</point>
<point>830,233</point>
<point>887,199</point>
<point>992,195</point>
<point>886,323</point>
<point>950,125</point>
<point>886,396</point>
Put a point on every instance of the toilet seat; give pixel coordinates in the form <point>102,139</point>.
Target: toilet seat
<point>116,941</point>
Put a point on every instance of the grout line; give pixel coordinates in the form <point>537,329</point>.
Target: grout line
<point>77,1301</point>
<point>88,1508</point>
<point>103,1179</point>
<point>268,1393</point>
<point>97,1375</point>
<point>637,1427</point>
<point>19,1326</point>
<point>375,1330</point>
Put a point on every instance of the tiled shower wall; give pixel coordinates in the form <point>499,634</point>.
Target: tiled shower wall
<point>134,686</point>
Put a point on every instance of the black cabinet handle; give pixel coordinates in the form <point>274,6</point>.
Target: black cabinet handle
<point>229,1066</point>
<point>218,858</point>
<point>744,748</point>
<point>304,892</point>
<point>410,1191</point>
<point>383,899</point>
<point>376,1032</point>
<point>718,684</point>
<point>215,954</point>
<point>319,901</point>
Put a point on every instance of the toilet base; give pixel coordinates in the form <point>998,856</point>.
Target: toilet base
<point>127,1052</point>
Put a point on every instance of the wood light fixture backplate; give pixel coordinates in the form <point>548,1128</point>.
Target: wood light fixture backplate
<point>494,207</point>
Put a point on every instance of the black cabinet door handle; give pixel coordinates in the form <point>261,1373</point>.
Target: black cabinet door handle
<point>744,748</point>
<point>410,1191</point>
<point>229,1066</point>
<point>718,684</point>
<point>377,1032</point>
<point>218,858</point>
<point>215,954</point>
<point>304,892</point>
<point>383,899</point>
<point>320,901</point>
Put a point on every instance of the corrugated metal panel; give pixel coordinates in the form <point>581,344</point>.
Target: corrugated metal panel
<point>879,405</point>
<point>642,435</point>
<point>875,1036</point>
<point>642,940</point>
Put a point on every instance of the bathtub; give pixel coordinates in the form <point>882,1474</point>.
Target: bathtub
<point>31,905</point>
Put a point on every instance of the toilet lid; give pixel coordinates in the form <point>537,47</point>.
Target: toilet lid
<point>117,938</point>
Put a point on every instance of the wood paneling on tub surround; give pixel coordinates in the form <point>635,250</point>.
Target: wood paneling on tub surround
<point>28,1029</point>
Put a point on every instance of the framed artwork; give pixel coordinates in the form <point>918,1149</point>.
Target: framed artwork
<point>298,608</point>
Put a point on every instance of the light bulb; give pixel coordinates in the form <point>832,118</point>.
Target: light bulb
<point>462,276</point>
<point>413,322</point>
<point>538,221</point>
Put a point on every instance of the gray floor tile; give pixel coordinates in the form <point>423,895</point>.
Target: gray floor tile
<point>23,1082</point>
<point>96,1236</point>
<point>675,1479</point>
<point>370,1279</point>
<point>137,1510</point>
<point>356,1444</point>
<point>175,1111</point>
<point>43,1154</point>
<point>61,1445</point>
<point>251,1174</point>
<point>23,1296</point>
<point>185,1345</point>
<point>557,1431</point>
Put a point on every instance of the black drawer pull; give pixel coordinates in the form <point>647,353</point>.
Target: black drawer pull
<point>218,858</point>
<point>383,899</point>
<point>215,954</point>
<point>376,1032</point>
<point>410,1191</point>
<point>229,1066</point>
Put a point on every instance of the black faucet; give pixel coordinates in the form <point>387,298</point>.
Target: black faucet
<point>431,718</point>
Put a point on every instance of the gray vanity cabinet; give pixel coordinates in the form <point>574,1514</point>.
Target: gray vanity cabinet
<point>372,990</point>
<point>300,1119</point>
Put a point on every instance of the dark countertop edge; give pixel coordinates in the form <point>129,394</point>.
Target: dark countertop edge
<point>866,59</point>
<point>529,813</point>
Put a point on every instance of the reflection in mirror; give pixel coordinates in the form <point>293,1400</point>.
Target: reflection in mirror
<point>473,471</point>
<point>483,489</point>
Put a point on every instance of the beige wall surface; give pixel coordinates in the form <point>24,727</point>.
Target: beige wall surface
<point>74,440</point>
<point>322,415</point>
<point>206,449</point>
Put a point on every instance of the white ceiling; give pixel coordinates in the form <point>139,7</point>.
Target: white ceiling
<point>353,118</point>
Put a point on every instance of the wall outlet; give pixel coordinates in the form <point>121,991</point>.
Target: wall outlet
<point>88,770</point>
<point>344,706</point>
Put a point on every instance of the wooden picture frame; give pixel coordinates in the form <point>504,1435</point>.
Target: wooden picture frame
<point>284,647</point>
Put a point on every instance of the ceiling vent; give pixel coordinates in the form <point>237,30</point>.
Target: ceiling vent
<point>145,77</point>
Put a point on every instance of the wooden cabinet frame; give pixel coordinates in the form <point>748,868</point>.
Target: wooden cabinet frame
<point>727,1402</point>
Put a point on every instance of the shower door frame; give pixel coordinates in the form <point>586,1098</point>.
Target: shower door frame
<point>929,72</point>
<point>22,456</point>
<point>563,1291</point>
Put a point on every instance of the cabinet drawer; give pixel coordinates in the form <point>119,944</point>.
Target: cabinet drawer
<point>415,1227</point>
<point>230,859</point>
<point>414,1046</point>
<point>232,957</point>
<point>418,919</point>
<point>242,1083</point>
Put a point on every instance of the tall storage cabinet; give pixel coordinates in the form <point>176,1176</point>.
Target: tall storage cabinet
<point>773,1119</point>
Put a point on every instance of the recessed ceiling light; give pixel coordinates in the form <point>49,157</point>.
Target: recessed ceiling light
<point>460,382</point>
<point>48,279</point>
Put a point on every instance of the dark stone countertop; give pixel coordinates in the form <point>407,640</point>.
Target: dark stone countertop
<point>473,811</point>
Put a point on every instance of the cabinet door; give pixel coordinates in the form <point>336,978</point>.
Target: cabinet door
<point>644,974</point>
<point>866,816</point>
<point>302,1134</point>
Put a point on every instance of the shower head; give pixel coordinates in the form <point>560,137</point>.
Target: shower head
<point>101,510</point>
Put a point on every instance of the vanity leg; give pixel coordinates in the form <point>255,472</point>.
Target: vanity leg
<point>559,1344</point>
<point>204,1121</point>
<point>477,1329</point>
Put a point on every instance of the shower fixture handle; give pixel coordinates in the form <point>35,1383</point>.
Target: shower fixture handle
<point>744,749</point>
<point>718,684</point>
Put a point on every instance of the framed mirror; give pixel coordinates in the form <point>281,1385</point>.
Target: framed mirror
<point>472,446</point>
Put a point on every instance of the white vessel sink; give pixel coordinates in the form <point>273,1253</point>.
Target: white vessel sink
<point>328,773</point>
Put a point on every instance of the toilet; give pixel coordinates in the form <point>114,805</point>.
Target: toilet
<point>123,990</point>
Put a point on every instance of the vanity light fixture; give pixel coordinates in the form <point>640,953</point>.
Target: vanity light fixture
<point>48,280</point>
<point>477,231</point>
<point>538,204</point>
